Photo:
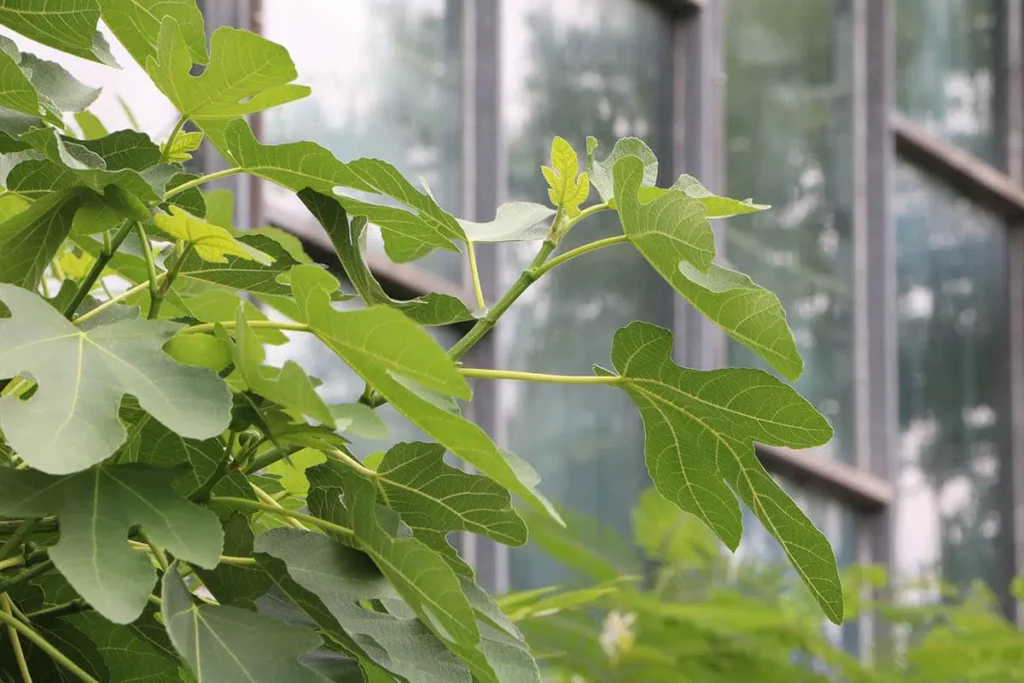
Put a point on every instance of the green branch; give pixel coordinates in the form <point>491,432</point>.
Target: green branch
<point>19,655</point>
<point>578,251</point>
<point>158,297</point>
<point>478,289</point>
<point>116,300</point>
<point>210,177</point>
<point>537,377</point>
<point>23,531</point>
<point>110,248</point>
<point>45,645</point>
<point>30,573</point>
<point>253,506</point>
<point>255,324</point>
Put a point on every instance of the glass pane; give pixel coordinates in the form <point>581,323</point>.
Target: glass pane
<point>953,516</point>
<point>789,111</point>
<point>575,69</point>
<point>402,105</point>
<point>944,81</point>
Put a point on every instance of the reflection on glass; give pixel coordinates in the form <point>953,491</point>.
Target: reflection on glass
<point>342,385</point>
<point>789,112</point>
<point>386,80</point>
<point>953,518</point>
<point>944,56</point>
<point>575,69</point>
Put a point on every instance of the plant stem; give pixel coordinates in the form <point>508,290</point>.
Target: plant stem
<point>203,179</point>
<point>166,154</point>
<point>23,531</point>
<point>202,494</point>
<point>117,299</point>
<point>243,504</point>
<point>255,324</point>
<point>484,325</point>
<point>12,634</point>
<point>158,552</point>
<point>578,251</point>
<point>109,249</point>
<point>224,559</point>
<point>24,576</point>
<point>10,526</point>
<point>537,377</point>
<point>70,607</point>
<point>147,252</point>
<point>272,502</point>
<point>269,458</point>
<point>44,645</point>
<point>172,274</point>
<point>12,562</point>
<point>475,272</point>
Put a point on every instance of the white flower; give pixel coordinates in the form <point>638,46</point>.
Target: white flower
<point>617,634</point>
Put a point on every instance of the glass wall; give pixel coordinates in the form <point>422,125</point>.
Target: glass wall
<point>789,145</point>
<point>945,50</point>
<point>574,69</point>
<point>386,78</point>
<point>953,515</point>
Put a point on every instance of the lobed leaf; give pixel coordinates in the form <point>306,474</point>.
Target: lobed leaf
<point>71,421</point>
<point>513,222</point>
<point>16,90</point>
<point>349,240</point>
<point>67,25</point>
<point>700,431</point>
<point>29,240</point>
<point>224,644</point>
<point>137,23</point>
<point>97,508</point>
<point>300,165</point>
<point>671,231</point>
<point>567,187</point>
<point>246,73</point>
<point>602,172</point>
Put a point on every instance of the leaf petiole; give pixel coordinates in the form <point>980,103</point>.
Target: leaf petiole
<point>210,177</point>
<point>255,324</point>
<point>45,645</point>
<point>475,272</point>
<point>481,373</point>
<point>253,506</point>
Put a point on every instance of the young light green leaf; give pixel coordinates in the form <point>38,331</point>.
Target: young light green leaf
<point>68,25</point>
<point>211,243</point>
<point>420,576</point>
<point>602,172</point>
<point>433,496</point>
<point>567,191</point>
<point>700,433</point>
<point>327,579</point>
<point>349,240</point>
<point>97,508</point>
<point>246,74</point>
<point>201,350</point>
<point>184,144</point>
<point>71,422</point>
<point>410,353</point>
<point>136,23</point>
<point>288,386</point>
<point>224,644</point>
<point>29,240</point>
<point>513,222</point>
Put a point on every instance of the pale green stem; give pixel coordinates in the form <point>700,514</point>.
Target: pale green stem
<point>478,289</point>
<point>255,324</point>
<point>166,154</point>
<point>147,253</point>
<point>210,177</point>
<point>481,373</point>
<point>270,501</point>
<point>117,299</point>
<point>109,248</point>
<point>578,251</point>
<point>18,537</point>
<point>44,645</point>
<point>12,634</point>
<point>224,559</point>
<point>182,250</point>
<point>243,504</point>
<point>158,552</point>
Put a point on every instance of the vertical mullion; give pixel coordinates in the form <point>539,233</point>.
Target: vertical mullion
<point>1012,41</point>
<point>482,187</point>
<point>699,148</point>
<point>874,273</point>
